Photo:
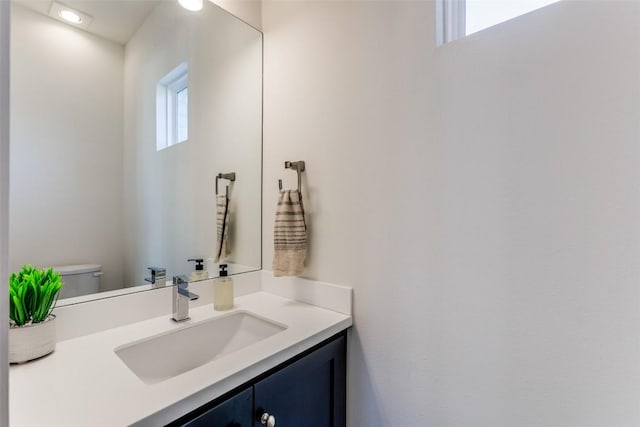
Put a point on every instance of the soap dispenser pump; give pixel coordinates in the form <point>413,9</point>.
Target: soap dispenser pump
<point>199,273</point>
<point>223,290</point>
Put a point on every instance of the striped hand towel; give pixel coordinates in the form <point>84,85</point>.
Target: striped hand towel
<point>223,248</point>
<point>289,235</point>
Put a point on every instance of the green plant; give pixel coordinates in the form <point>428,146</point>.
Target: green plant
<point>32,294</point>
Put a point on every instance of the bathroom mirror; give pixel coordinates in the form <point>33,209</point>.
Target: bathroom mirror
<point>119,127</point>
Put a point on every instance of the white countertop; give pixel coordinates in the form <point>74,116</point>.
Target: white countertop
<point>84,383</point>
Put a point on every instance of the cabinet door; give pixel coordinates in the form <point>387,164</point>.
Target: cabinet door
<point>234,412</point>
<point>310,392</point>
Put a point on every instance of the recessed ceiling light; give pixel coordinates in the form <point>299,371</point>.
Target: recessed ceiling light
<point>193,5</point>
<point>69,15</point>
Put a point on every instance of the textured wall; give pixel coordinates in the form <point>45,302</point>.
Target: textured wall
<point>482,199</point>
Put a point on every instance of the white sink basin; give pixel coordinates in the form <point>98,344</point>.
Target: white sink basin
<point>166,355</point>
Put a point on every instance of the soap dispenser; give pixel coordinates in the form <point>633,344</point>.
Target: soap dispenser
<point>199,273</point>
<point>223,290</point>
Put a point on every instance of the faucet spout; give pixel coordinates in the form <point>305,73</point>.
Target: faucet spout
<point>181,298</point>
<point>184,292</point>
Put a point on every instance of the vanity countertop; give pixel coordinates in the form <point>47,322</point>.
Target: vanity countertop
<point>84,383</point>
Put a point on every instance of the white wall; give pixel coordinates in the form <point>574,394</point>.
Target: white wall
<point>66,180</point>
<point>250,11</point>
<point>170,194</point>
<point>482,198</point>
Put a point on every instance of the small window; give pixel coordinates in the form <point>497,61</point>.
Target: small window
<point>459,18</point>
<point>172,108</point>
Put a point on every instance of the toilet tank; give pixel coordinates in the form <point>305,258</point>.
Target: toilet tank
<point>79,280</point>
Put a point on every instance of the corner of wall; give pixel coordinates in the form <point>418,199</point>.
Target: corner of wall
<point>250,11</point>
<point>4,210</point>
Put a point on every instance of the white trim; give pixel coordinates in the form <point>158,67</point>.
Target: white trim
<point>75,320</point>
<point>321,294</point>
<point>450,20</point>
<point>161,117</point>
<point>175,111</point>
<point>5,13</point>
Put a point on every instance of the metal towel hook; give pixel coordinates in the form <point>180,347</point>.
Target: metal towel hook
<point>299,168</point>
<point>231,176</point>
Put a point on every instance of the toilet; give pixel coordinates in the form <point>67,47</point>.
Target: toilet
<point>79,280</point>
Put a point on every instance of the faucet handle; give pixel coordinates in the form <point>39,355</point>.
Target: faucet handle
<point>156,273</point>
<point>179,280</point>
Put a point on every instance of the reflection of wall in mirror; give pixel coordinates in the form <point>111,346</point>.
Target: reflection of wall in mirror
<point>250,11</point>
<point>66,181</point>
<point>169,194</point>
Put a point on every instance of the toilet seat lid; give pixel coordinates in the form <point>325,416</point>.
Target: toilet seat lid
<point>77,269</point>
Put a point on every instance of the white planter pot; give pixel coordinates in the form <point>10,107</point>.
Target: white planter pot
<point>32,341</point>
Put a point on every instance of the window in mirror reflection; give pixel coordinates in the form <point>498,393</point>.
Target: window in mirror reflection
<point>182,114</point>
<point>172,108</point>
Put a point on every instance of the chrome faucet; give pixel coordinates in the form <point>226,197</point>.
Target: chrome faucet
<point>158,276</point>
<point>181,298</point>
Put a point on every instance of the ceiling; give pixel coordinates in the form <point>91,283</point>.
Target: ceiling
<point>115,20</point>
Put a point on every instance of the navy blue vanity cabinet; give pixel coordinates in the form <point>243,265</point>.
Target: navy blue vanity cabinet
<point>308,390</point>
<point>233,412</point>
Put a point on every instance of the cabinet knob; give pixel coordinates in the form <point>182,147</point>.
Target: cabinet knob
<point>269,420</point>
